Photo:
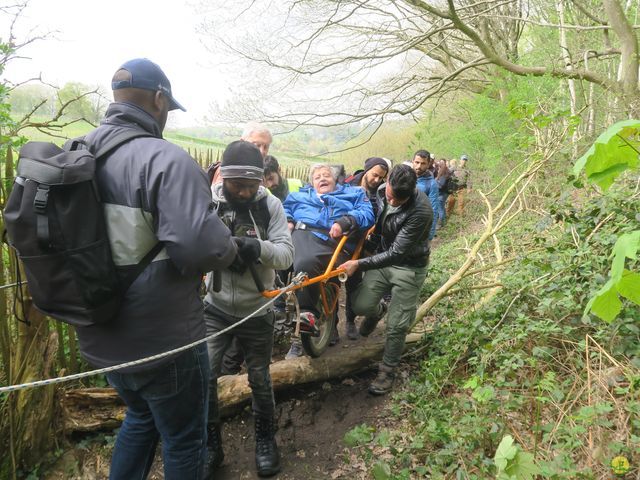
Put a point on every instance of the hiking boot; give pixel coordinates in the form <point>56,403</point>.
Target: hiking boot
<point>352,331</point>
<point>215,454</point>
<point>295,351</point>
<point>267,455</point>
<point>368,325</point>
<point>384,381</point>
<point>335,336</point>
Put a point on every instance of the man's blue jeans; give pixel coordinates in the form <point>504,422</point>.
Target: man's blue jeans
<point>168,402</point>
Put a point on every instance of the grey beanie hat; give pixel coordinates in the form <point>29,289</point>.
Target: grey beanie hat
<point>242,160</point>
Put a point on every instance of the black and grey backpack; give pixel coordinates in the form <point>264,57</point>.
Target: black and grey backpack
<point>55,223</point>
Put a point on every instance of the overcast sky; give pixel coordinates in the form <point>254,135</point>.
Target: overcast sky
<point>94,38</point>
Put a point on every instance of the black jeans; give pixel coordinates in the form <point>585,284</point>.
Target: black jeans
<point>255,337</point>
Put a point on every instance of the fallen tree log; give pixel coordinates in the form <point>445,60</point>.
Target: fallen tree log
<point>92,409</point>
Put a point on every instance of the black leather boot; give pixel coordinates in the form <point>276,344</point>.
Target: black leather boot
<point>215,454</point>
<point>267,455</point>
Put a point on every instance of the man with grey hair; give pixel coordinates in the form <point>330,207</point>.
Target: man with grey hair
<point>319,215</point>
<point>259,135</point>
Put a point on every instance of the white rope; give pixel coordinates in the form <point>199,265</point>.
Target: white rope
<point>12,285</point>
<point>11,388</point>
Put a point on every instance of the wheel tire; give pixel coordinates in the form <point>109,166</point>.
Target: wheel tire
<point>315,346</point>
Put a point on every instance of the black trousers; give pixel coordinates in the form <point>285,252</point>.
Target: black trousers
<point>313,254</point>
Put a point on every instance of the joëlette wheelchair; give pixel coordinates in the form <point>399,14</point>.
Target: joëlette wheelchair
<point>315,338</point>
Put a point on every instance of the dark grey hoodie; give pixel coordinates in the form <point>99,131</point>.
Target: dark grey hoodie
<point>154,191</point>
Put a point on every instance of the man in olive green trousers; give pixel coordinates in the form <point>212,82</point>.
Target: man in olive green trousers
<point>398,266</point>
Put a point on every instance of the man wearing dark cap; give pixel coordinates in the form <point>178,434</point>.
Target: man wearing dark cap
<point>374,173</point>
<point>259,225</point>
<point>154,193</point>
<point>369,179</point>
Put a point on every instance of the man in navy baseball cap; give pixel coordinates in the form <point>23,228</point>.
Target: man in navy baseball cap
<point>146,75</point>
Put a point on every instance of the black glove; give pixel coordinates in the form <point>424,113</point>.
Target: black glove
<point>346,222</point>
<point>248,249</point>
<point>237,266</point>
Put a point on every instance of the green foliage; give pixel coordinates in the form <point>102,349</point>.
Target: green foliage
<point>513,463</point>
<point>38,100</point>
<point>80,102</point>
<point>614,151</point>
<point>513,363</point>
<point>491,127</point>
<point>359,435</point>
<point>381,471</point>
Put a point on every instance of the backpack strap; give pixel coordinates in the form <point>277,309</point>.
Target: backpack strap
<point>140,266</point>
<point>118,140</point>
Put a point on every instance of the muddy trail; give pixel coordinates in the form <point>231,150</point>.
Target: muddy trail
<point>312,421</point>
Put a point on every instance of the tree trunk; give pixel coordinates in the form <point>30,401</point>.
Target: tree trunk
<point>628,68</point>
<point>91,409</point>
<point>564,48</point>
<point>30,412</point>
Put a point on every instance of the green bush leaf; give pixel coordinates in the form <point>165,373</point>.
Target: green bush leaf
<point>607,305</point>
<point>626,246</point>
<point>613,152</point>
<point>358,435</point>
<point>381,471</point>
<point>505,452</point>
<point>629,286</point>
<point>523,467</point>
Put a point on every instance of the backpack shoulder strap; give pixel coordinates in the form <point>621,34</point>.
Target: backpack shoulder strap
<point>118,140</point>
<point>140,266</point>
<point>262,209</point>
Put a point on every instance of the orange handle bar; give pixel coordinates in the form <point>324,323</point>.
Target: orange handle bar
<point>329,272</point>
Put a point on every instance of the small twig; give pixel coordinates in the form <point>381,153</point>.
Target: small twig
<point>600,224</point>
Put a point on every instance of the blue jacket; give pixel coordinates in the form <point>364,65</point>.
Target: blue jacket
<point>323,211</point>
<point>430,187</point>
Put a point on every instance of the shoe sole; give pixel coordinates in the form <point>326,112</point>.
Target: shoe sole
<point>377,393</point>
<point>269,473</point>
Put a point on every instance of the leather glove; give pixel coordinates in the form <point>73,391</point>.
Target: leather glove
<point>237,266</point>
<point>346,222</point>
<point>248,249</point>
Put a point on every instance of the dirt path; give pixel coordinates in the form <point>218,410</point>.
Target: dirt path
<point>312,421</point>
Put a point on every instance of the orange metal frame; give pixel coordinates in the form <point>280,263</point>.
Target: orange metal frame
<point>328,274</point>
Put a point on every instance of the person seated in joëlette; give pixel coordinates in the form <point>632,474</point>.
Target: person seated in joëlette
<point>319,215</point>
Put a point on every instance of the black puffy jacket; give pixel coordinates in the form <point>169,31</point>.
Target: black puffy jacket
<point>402,238</point>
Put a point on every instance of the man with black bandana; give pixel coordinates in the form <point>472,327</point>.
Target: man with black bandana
<point>259,225</point>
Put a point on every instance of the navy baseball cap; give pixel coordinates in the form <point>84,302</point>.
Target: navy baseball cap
<point>147,75</point>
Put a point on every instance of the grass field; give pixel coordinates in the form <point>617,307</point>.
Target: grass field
<point>204,150</point>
